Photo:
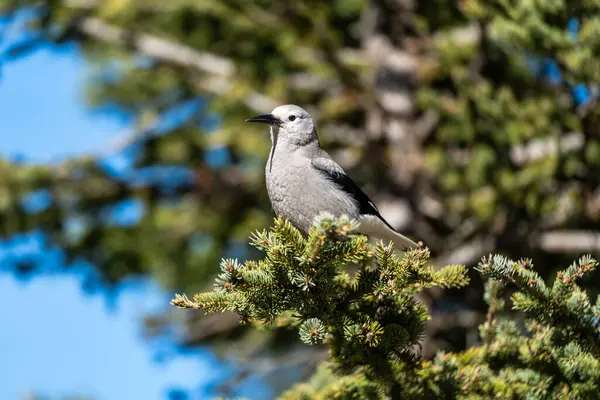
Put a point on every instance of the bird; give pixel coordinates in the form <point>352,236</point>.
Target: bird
<point>303,180</point>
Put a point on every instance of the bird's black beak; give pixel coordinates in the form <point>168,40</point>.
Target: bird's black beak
<point>265,119</point>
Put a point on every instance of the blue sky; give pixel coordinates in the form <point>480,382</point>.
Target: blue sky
<point>55,339</point>
<point>41,112</point>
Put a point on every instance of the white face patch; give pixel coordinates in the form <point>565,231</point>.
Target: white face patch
<point>295,127</point>
<point>290,113</point>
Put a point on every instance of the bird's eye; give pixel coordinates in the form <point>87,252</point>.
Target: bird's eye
<point>292,117</point>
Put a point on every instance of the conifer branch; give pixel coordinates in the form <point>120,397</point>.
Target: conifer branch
<point>564,305</point>
<point>372,322</point>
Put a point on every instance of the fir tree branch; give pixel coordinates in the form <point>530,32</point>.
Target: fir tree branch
<point>372,321</point>
<point>572,312</point>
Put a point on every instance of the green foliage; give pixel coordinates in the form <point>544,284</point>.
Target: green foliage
<point>326,384</point>
<point>499,153</point>
<point>372,323</point>
<point>558,356</point>
<point>370,320</point>
<point>564,306</point>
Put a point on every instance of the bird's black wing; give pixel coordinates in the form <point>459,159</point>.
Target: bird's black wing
<point>335,173</point>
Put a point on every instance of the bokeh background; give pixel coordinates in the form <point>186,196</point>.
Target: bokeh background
<point>126,171</point>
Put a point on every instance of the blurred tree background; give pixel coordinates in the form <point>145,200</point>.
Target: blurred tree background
<point>474,125</point>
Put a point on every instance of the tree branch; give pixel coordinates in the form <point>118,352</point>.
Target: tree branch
<point>569,241</point>
<point>174,53</point>
<point>539,148</point>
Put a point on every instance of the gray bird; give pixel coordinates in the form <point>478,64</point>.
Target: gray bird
<point>304,181</point>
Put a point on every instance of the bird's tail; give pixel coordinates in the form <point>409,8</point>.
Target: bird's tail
<point>373,226</point>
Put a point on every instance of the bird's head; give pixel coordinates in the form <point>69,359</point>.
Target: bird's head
<point>290,122</point>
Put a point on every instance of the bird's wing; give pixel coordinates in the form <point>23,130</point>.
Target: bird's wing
<point>371,221</point>
<point>331,170</point>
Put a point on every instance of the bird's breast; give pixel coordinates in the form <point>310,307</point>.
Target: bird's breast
<point>285,182</point>
<point>298,192</point>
